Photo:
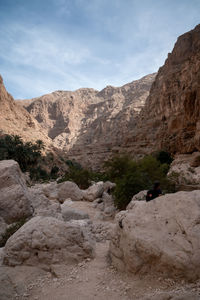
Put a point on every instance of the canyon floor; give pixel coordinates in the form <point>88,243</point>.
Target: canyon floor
<point>97,279</point>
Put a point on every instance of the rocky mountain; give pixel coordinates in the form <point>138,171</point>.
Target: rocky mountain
<point>90,125</point>
<point>14,119</point>
<point>170,118</point>
<point>87,124</point>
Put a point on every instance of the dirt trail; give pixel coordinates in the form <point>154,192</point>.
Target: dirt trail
<point>96,279</point>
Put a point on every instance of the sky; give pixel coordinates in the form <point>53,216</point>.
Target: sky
<point>48,45</point>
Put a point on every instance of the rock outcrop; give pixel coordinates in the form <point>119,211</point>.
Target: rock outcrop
<point>159,236</point>
<point>185,171</point>
<point>14,119</point>
<point>170,118</point>
<point>46,240</point>
<point>15,200</point>
<point>88,124</point>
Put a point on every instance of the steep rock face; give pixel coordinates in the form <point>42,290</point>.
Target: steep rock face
<point>89,124</point>
<point>14,119</point>
<point>171,116</point>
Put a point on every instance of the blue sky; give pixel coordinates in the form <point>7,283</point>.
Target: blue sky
<point>48,45</point>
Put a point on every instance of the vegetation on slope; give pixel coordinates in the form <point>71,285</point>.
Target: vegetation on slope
<point>28,155</point>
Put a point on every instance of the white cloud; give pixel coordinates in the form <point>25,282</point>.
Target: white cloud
<point>91,43</point>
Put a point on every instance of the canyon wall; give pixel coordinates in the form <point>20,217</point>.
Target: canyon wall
<point>170,119</point>
<point>87,124</point>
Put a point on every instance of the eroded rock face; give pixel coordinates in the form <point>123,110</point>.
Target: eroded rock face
<point>46,240</point>
<point>159,236</point>
<point>14,119</point>
<point>185,170</point>
<point>14,196</point>
<point>88,124</point>
<point>170,118</point>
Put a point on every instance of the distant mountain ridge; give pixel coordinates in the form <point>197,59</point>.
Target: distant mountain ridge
<point>88,121</point>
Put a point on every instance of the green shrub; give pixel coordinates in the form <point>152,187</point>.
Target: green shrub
<point>39,174</point>
<point>164,157</point>
<point>82,177</point>
<point>133,176</point>
<point>11,230</point>
<point>54,172</point>
<point>26,154</point>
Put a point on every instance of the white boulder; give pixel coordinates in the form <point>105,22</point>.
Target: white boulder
<point>41,205</point>
<point>46,240</point>
<point>70,213</point>
<point>14,195</point>
<point>182,170</point>
<point>160,236</point>
<point>141,196</point>
<point>70,190</point>
<point>108,186</point>
<point>94,191</point>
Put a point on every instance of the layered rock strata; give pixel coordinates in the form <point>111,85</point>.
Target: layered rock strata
<point>14,119</point>
<point>90,125</point>
<point>170,119</point>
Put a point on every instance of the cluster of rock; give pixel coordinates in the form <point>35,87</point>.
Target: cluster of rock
<point>55,230</point>
<point>160,236</point>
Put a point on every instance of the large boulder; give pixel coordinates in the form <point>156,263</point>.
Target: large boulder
<point>161,236</point>
<point>41,205</point>
<point>46,240</point>
<point>141,196</point>
<point>94,191</point>
<point>49,190</point>
<point>14,195</point>
<point>70,190</point>
<point>70,213</point>
<point>185,170</point>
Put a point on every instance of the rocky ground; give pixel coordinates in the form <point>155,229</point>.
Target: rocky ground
<point>97,278</point>
<point>72,242</point>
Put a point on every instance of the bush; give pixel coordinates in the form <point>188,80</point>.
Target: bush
<point>82,177</point>
<point>26,154</point>
<point>133,176</point>
<point>39,174</point>
<point>164,157</point>
<point>54,172</point>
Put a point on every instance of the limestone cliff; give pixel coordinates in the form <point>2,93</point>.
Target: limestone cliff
<point>171,116</point>
<point>87,124</point>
